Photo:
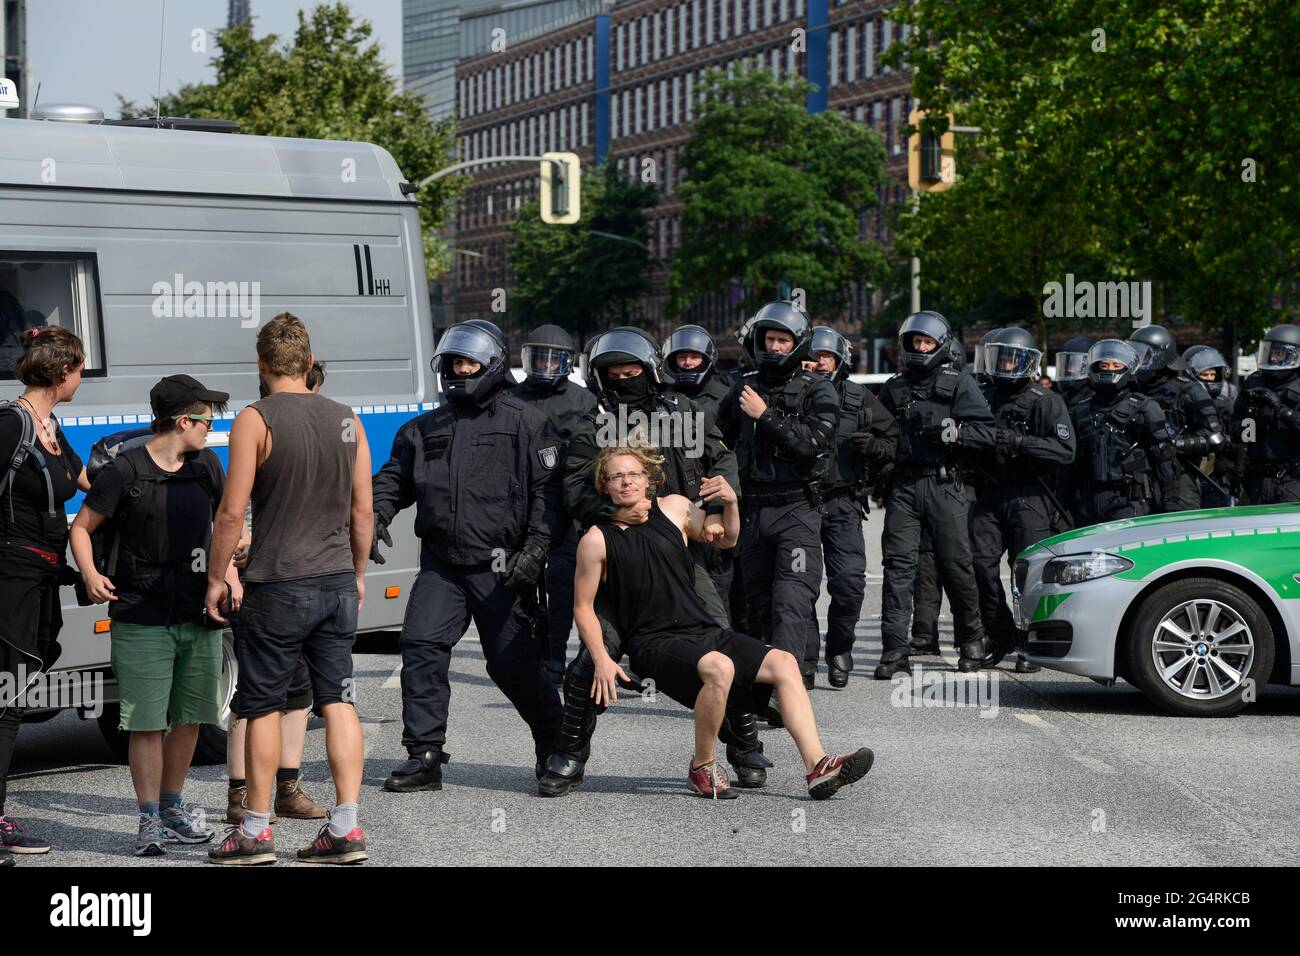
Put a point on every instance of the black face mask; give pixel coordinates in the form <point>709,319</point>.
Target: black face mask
<point>636,391</point>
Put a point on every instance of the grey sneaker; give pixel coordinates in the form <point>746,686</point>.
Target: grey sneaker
<point>149,842</point>
<point>186,824</point>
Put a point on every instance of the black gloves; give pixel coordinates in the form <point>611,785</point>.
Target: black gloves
<point>526,567</point>
<point>381,533</point>
<point>1009,443</point>
<point>862,443</point>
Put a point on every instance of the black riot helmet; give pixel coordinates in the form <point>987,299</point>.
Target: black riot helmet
<point>1203,358</point>
<point>980,372</point>
<point>958,352</point>
<point>1156,349</point>
<point>690,338</point>
<point>781,316</point>
<point>1112,350</point>
<point>624,346</point>
<point>1012,355</point>
<point>1279,351</point>
<point>470,340</point>
<point>924,323</point>
<point>826,339</point>
<point>547,355</point>
<point>1072,359</point>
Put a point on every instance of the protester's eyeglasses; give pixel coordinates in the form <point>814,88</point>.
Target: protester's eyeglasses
<point>205,419</point>
<point>633,475</point>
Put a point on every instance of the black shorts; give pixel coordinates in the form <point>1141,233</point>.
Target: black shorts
<point>673,664</point>
<point>299,697</point>
<point>285,624</point>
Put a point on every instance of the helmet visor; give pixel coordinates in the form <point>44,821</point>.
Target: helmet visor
<point>466,341</point>
<point>923,323</point>
<point>1011,361</point>
<point>620,346</point>
<point>1071,366</point>
<point>689,339</point>
<point>1145,354</point>
<point>546,363</point>
<point>1273,356</point>
<point>1114,350</point>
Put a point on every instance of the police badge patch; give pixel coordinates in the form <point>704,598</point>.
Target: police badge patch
<point>549,456</point>
<point>1063,432</point>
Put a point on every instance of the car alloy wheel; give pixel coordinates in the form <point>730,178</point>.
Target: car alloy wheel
<point>1203,649</point>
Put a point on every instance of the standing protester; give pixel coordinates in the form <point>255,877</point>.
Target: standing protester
<point>690,358</point>
<point>626,373</point>
<point>1125,445</point>
<point>866,440</point>
<point>1072,385</point>
<point>547,358</point>
<point>1208,365</point>
<point>291,798</point>
<point>782,420</point>
<point>483,473</point>
<point>39,472</point>
<point>304,461</point>
<point>1266,421</point>
<point>1162,375</point>
<point>1015,506</point>
<point>644,573</point>
<point>943,420</point>
<point>156,502</point>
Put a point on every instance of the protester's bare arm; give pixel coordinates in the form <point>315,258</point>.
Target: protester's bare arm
<point>362,527</point>
<point>246,435</point>
<point>724,533</point>
<point>589,569</point>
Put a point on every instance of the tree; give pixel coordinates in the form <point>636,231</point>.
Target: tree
<point>572,277</point>
<point>329,83</point>
<point>773,194</point>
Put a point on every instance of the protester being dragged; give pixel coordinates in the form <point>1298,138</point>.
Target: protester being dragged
<point>151,508</point>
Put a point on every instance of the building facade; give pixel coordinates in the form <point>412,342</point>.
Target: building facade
<point>619,86</point>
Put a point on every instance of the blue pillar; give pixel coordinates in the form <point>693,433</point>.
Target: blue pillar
<point>818,53</point>
<point>602,87</point>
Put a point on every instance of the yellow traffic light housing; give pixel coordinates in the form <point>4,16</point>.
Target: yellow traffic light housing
<point>931,157</point>
<point>559,199</point>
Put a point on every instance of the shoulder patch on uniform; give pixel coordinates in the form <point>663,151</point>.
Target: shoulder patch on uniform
<point>549,456</point>
<point>1063,431</point>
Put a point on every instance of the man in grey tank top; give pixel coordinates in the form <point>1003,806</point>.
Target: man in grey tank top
<point>304,462</point>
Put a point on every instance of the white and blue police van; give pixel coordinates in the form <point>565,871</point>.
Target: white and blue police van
<point>165,247</point>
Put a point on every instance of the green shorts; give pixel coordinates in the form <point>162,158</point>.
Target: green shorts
<point>167,675</point>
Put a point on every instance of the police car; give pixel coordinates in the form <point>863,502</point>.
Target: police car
<point>1198,609</point>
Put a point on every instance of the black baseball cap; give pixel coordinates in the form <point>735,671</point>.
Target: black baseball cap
<point>175,393</point>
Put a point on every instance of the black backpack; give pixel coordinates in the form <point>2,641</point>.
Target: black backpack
<point>141,488</point>
<point>27,447</point>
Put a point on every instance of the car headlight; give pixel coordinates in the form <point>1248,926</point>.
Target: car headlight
<point>1083,567</point>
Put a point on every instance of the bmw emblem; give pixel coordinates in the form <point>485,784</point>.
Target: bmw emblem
<point>1202,649</point>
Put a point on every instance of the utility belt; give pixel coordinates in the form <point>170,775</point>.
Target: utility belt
<point>1132,486</point>
<point>942,472</point>
<point>843,491</point>
<point>763,499</point>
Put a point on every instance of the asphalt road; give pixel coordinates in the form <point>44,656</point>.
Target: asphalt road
<point>1062,771</point>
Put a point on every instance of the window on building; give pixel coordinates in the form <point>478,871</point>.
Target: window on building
<point>669,30</point>
<point>676,115</point>
<point>690,96</point>
<point>663,103</point>
<point>657,50</point>
<point>591,65</point>
<point>614,114</point>
<point>791,59</point>
<point>869,49</point>
<point>582,119</point>
<point>835,59</point>
<point>645,40</point>
<point>683,27</point>
<point>708,21</point>
<point>695,24</point>
<point>618,47</point>
<point>886,41</point>
<point>722,19</point>
<point>784,10</point>
<point>631,43</point>
<point>895,111</point>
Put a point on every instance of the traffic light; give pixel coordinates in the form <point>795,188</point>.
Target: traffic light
<point>931,159</point>
<point>559,199</point>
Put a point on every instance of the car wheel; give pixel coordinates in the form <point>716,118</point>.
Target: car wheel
<point>211,746</point>
<point>1200,647</point>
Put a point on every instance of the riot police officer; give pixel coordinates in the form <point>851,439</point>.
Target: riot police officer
<point>483,471</point>
<point>866,440</point>
<point>630,382</point>
<point>1125,444</point>
<point>1209,365</point>
<point>982,376</point>
<point>1072,384</point>
<point>548,358</point>
<point>692,358</point>
<point>781,419</point>
<point>1015,506</point>
<point>1266,421</point>
<point>942,419</point>
<point>1198,432</point>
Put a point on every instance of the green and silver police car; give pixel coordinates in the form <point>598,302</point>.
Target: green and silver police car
<point>1198,609</point>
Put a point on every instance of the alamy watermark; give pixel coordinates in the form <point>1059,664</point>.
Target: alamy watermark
<point>662,429</point>
<point>946,689</point>
<point>210,300</point>
<point>1098,300</point>
<point>37,690</point>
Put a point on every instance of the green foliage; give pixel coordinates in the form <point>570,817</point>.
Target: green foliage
<point>1114,134</point>
<point>330,82</point>
<point>772,193</point>
<point>572,277</point>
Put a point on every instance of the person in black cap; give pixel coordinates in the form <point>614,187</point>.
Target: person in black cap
<point>157,502</point>
<point>548,359</point>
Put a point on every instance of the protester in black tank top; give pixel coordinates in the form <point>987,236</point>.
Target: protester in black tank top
<point>645,574</point>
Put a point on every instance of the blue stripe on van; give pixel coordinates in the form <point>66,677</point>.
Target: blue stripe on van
<point>381,423</point>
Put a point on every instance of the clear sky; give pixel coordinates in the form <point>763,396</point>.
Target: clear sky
<point>85,51</point>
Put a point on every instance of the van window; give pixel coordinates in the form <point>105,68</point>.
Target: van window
<point>49,288</point>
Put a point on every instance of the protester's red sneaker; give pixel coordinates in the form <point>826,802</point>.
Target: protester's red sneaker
<point>710,780</point>
<point>328,848</point>
<point>239,850</point>
<point>831,773</point>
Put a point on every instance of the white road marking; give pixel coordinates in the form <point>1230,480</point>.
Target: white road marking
<point>1093,763</point>
<point>1034,720</point>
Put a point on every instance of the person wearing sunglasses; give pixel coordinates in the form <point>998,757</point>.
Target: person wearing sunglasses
<point>156,503</point>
